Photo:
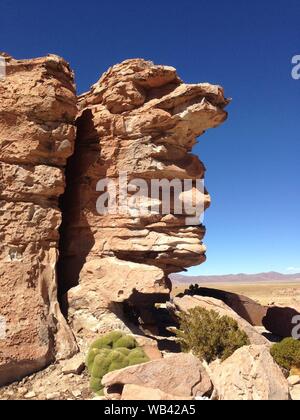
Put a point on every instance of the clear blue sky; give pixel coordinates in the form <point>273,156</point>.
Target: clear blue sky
<point>246,46</point>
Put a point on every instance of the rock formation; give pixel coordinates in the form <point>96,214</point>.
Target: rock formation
<point>143,120</point>
<point>140,119</point>
<point>250,374</point>
<point>168,375</point>
<point>139,123</point>
<point>245,307</point>
<point>37,113</point>
<point>142,393</point>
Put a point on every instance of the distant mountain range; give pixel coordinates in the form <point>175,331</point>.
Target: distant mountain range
<point>271,277</point>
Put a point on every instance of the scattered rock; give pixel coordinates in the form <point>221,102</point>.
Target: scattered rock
<point>10,393</point>
<point>76,393</point>
<point>250,374</point>
<point>181,375</point>
<point>54,396</point>
<point>21,390</point>
<point>30,395</point>
<point>76,365</point>
<point>295,393</point>
<point>294,380</point>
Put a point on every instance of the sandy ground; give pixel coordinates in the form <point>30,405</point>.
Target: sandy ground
<point>281,294</point>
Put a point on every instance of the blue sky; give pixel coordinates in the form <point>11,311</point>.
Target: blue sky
<point>246,46</point>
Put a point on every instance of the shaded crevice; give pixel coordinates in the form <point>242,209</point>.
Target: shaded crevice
<point>149,322</point>
<point>72,251</point>
<point>150,316</point>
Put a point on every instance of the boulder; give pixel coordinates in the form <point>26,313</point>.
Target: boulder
<point>181,375</point>
<point>250,374</point>
<point>142,393</point>
<point>189,302</point>
<point>245,307</point>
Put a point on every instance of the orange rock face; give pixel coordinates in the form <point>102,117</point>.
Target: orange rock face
<point>37,112</point>
<point>142,120</point>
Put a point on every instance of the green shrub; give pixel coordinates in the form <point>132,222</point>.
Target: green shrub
<point>126,342</point>
<point>112,352</point>
<point>192,290</point>
<point>208,335</point>
<point>287,353</point>
<point>137,356</point>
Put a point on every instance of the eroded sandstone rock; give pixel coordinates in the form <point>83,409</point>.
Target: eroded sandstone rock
<point>37,112</point>
<point>250,374</point>
<point>143,120</point>
<point>181,375</point>
<point>245,307</point>
<point>140,119</point>
<point>141,393</point>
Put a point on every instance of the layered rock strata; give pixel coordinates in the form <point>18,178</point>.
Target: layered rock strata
<point>139,119</point>
<point>37,133</point>
<point>142,120</point>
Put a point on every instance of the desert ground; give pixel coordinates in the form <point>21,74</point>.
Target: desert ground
<point>281,294</point>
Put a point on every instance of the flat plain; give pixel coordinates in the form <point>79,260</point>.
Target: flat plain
<point>269,293</point>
